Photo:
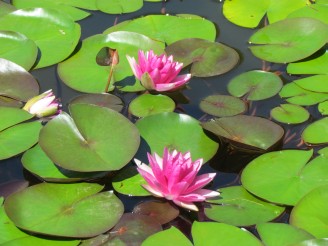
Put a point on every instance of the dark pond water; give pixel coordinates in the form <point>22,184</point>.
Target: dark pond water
<point>228,164</point>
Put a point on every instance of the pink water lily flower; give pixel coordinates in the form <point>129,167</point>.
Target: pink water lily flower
<point>174,177</point>
<point>43,105</point>
<point>159,73</point>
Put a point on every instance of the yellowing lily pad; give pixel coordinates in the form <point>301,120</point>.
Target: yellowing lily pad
<point>317,132</point>
<point>290,114</point>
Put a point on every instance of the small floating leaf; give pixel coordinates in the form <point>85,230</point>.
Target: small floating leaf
<point>290,114</point>
<point>166,237</point>
<point>323,108</point>
<point>119,6</point>
<point>317,132</point>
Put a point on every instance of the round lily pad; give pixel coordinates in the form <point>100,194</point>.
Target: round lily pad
<point>316,83</point>
<point>94,139</point>
<point>310,213</point>
<point>119,6</point>
<point>207,58</point>
<point>317,132</point>
<point>128,182</point>
<point>176,131</point>
<point>272,43</point>
<point>103,100</point>
<point>18,49</point>
<point>16,82</point>
<point>284,176</point>
<point>81,71</point>
<point>38,163</point>
<point>281,234</point>
<point>222,105</point>
<point>255,85</point>
<point>212,233</point>
<point>323,108</point>
<point>168,28</point>
<point>166,237</point>
<point>290,114</point>
<point>263,134</point>
<point>238,207</point>
<point>56,37</point>
<point>64,209</point>
<point>148,104</point>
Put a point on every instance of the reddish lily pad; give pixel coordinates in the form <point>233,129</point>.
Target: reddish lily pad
<point>290,114</point>
<point>222,105</point>
<point>64,209</point>
<point>16,82</point>
<point>272,43</point>
<point>261,136</point>
<point>207,58</point>
<point>255,85</point>
<point>94,139</point>
<point>317,132</point>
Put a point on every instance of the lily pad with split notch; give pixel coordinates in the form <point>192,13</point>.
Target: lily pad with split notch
<point>285,176</point>
<point>222,105</point>
<point>64,209</point>
<point>316,83</point>
<point>316,132</point>
<point>93,139</point>
<point>206,58</point>
<point>290,114</point>
<point>12,116</point>
<point>119,6</point>
<point>255,85</point>
<point>260,135</point>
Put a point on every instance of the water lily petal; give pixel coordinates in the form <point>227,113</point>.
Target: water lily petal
<point>186,205</point>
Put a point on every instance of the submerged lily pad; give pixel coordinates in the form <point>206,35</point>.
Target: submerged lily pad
<point>6,8</point>
<point>272,43</point>
<point>18,49</point>
<point>284,176</point>
<point>310,213</point>
<point>263,134</point>
<point>282,234</point>
<point>255,85</point>
<point>222,105</point>
<point>119,6</point>
<point>64,209</point>
<point>148,104</point>
<point>290,114</point>
<point>166,237</point>
<point>238,207</point>
<point>176,131</point>
<point>94,139</point>
<point>168,28</point>
<point>11,187</point>
<point>317,132</point>
<point>16,82</point>
<point>316,83</point>
<point>207,58</point>
<point>56,37</point>
<point>81,71</point>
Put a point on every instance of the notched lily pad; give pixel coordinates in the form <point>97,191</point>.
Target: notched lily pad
<point>261,136</point>
<point>316,83</point>
<point>290,114</point>
<point>317,132</point>
<point>207,58</point>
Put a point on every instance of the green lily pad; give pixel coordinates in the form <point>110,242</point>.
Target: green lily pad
<point>56,37</point>
<point>323,108</point>
<point>315,66</point>
<point>295,94</point>
<point>212,233</point>
<point>119,6</point>
<point>81,71</point>
<point>6,8</point>
<point>290,114</point>
<point>85,4</point>
<point>273,234</point>
<point>18,138</point>
<point>284,176</point>
<point>316,83</point>
<point>75,13</point>
<point>272,43</point>
<point>94,139</point>
<point>11,235</point>
<point>18,49</point>
<point>312,242</point>
<point>239,208</point>
<point>310,213</point>
<point>148,104</point>
<point>263,134</point>
<point>168,28</point>
<point>316,11</point>
<point>16,82</point>
<point>222,105</point>
<point>37,162</point>
<point>128,182</point>
<point>176,131</point>
<point>207,58</point>
<point>12,116</point>
<point>317,132</point>
<point>166,237</point>
<point>103,100</point>
<point>255,85</point>
<point>64,209</point>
